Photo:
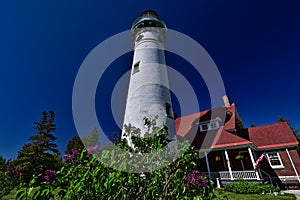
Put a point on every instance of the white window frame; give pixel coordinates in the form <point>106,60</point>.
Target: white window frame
<point>202,128</point>
<point>275,166</point>
<point>209,125</point>
<point>216,123</point>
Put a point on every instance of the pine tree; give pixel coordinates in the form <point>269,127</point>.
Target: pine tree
<point>294,130</point>
<point>2,161</point>
<point>92,139</point>
<point>41,153</point>
<point>74,143</point>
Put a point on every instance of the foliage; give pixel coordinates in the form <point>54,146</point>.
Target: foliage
<point>244,187</point>
<point>239,157</point>
<point>195,179</point>
<point>74,144</point>
<point>90,179</point>
<point>2,161</point>
<point>41,153</point>
<point>92,139</point>
<point>294,130</point>
<point>9,178</point>
<point>6,184</point>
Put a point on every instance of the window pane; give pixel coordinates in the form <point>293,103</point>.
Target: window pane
<point>275,162</point>
<point>204,127</point>
<point>274,159</point>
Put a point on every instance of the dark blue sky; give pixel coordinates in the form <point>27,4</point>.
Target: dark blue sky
<point>255,44</point>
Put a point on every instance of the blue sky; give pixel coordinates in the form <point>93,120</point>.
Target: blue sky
<point>255,44</point>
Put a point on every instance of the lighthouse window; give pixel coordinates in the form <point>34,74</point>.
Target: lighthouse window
<point>136,68</point>
<point>168,110</point>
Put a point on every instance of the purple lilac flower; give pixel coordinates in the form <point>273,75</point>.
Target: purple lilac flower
<point>4,169</point>
<point>12,171</point>
<point>72,157</point>
<point>50,176</point>
<point>93,149</point>
<point>195,179</point>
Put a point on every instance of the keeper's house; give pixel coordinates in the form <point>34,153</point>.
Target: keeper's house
<point>231,152</point>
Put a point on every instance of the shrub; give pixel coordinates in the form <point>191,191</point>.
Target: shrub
<point>6,184</point>
<point>86,177</point>
<point>245,187</point>
<point>9,178</point>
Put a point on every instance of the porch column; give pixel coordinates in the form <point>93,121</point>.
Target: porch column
<point>207,165</point>
<point>228,164</point>
<point>288,153</point>
<point>253,162</point>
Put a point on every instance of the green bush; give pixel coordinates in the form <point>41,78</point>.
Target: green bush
<point>6,184</point>
<point>90,179</point>
<point>245,187</point>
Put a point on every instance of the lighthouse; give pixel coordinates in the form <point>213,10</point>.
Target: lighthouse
<point>148,93</point>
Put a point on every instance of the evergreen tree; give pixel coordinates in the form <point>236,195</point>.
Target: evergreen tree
<point>92,139</point>
<point>74,143</point>
<point>41,153</point>
<point>2,161</point>
<point>294,130</point>
<point>252,125</point>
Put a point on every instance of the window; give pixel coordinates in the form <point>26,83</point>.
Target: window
<point>214,125</point>
<point>168,110</point>
<point>204,127</point>
<point>136,68</point>
<point>274,160</point>
<point>209,125</point>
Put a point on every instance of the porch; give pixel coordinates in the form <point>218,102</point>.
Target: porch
<point>230,165</point>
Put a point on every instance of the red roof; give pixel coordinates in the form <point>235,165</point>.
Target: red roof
<point>272,136</point>
<point>263,137</point>
<point>184,124</point>
<point>228,139</point>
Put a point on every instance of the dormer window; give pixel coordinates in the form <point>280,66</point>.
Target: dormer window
<point>209,125</point>
<point>204,127</point>
<point>214,125</point>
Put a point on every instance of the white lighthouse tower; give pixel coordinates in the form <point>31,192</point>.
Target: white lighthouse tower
<point>148,94</point>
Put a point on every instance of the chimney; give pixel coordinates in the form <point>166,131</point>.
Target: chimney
<point>226,101</point>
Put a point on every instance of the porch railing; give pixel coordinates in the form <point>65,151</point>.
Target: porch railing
<point>225,175</point>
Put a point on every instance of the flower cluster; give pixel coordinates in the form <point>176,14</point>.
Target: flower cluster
<point>72,158</point>
<point>218,158</point>
<point>195,179</point>
<point>93,150</point>
<point>12,171</point>
<point>50,176</point>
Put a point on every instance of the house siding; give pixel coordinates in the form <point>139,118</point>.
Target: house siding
<point>288,168</point>
<point>286,174</point>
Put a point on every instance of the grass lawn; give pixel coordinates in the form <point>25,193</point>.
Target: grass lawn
<point>233,196</point>
<point>230,196</point>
